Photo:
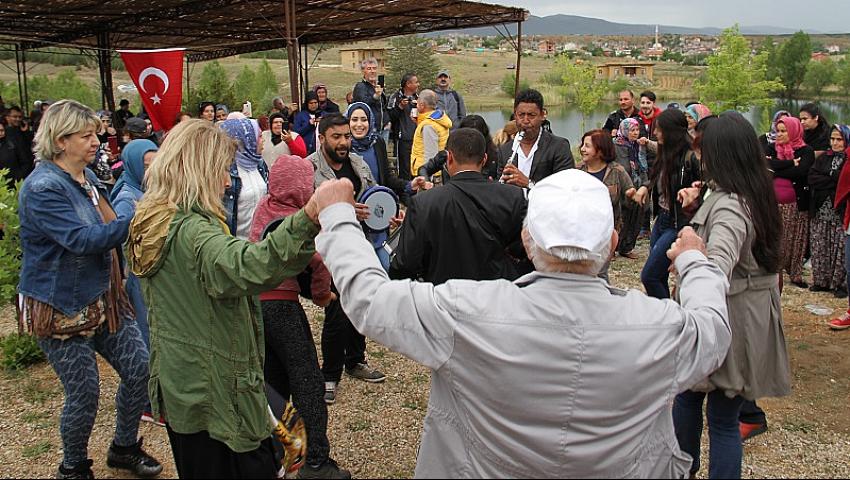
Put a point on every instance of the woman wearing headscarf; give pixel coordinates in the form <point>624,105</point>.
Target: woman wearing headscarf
<point>280,139</point>
<point>790,160</point>
<point>695,113</point>
<point>827,230</point>
<point>326,106</point>
<point>628,153</point>
<point>291,364</point>
<point>136,157</point>
<point>766,140</point>
<point>367,143</point>
<point>840,140</point>
<point>249,176</point>
<point>307,119</point>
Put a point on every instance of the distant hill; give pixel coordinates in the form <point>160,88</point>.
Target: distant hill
<point>576,25</point>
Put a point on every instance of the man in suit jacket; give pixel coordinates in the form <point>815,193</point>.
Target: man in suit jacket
<point>462,230</point>
<point>535,153</point>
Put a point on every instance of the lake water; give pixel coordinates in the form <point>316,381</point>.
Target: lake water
<point>566,122</point>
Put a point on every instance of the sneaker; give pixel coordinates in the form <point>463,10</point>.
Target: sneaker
<point>750,430</point>
<point>840,323</point>
<point>364,372</point>
<point>329,469</point>
<point>148,417</point>
<point>630,255</point>
<point>643,235</point>
<point>134,459</point>
<point>82,470</point>
<point>330,392</point>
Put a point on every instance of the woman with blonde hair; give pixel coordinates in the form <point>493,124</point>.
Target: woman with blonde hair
<point>72,290</point>
<point>206,331</point>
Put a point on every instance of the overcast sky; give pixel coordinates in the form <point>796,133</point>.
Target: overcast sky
<point>821,15</point>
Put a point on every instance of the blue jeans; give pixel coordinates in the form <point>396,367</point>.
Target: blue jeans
<point>725,450</point>
<point>655,273</point>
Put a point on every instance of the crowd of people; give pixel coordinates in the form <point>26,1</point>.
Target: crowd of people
<point>181,257</point>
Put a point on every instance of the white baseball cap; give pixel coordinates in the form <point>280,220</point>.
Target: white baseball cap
<point>570,208</point>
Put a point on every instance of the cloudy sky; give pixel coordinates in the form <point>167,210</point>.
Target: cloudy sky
<point>811,14</point>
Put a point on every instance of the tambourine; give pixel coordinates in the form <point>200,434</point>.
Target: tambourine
<point>383,205</point>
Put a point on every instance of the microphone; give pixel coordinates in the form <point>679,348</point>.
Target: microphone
<point>515,151</point>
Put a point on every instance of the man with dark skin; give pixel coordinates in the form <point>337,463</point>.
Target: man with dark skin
<point>538,153</point>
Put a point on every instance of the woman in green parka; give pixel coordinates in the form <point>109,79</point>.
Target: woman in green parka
<point>200,284</point>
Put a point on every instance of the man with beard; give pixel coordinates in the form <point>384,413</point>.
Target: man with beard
<point>627,110</point>
<point>342,345</point>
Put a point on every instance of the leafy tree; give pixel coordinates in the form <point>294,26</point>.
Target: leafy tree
<point>819,75</point>
<point>10,243</point>
<point>213,86</point>
<point>793,58</point>
<point>243,86</point>
<point>735,79</point>
<point>265,86</point>
<point>768,47</point>
<point>842,76</point>
<point>579,85</point>
<point>509,84</point>
<point>411,54</point>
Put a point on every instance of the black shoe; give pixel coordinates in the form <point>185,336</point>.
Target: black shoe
<point>329,469</point>
<point>840,293</point>
<point>800,284</point>
<point>82,470</point>
<point>134,459</point>
<point>818,288</point>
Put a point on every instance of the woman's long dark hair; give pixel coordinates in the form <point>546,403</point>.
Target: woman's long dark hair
<point>676,142</point>
<point>477,122</point>
<point>733,159</point>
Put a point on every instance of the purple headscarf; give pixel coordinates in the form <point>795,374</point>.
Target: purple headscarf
<point>623,131</point>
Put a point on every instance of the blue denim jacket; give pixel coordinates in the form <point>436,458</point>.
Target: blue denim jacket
<point>65,243</point>
<point>231,194</point>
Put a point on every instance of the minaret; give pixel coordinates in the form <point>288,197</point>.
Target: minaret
<point>656,34</point>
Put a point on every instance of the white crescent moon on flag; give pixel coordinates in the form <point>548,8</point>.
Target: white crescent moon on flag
<point>156,73</point>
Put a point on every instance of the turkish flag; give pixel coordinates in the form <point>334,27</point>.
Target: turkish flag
<point>158,75</point>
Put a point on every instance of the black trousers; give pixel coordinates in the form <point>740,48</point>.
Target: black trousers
<point>197,455</point>
<point>292,369</point>
<point>752,413</point>
<point>342,344</point>
<point>632,217</point>
<point>405,147</point>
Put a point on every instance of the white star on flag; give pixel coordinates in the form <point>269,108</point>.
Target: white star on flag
<point>156,98</point>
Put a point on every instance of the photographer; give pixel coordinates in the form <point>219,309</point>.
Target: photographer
<point>371,92</point>
<point>403,112</point>
<point>281,140</point>
<point>307,119</point>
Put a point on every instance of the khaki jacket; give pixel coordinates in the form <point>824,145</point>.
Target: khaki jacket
<point>324,172</point>
<point>757,364</point>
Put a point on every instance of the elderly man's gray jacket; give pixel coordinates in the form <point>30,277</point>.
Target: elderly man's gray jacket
<point>555,375</point>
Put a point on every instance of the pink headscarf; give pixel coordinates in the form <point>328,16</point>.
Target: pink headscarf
<point>785,151</point>
<point>290,187</point>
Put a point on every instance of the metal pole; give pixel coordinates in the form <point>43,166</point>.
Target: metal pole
<point>18,70</point>
<point>104,60</point>
<point>292,50</point>
<point>518,56</point>
<point>26,100</point>
<point>306,85</point>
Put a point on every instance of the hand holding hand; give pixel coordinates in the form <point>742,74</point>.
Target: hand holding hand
<point>640,196</point>
<point>420,183</point>
<point>362,211</point>
<point>630,193</point>
<point>329,193</point>
<point>643,140</point>
<point>688,240</point>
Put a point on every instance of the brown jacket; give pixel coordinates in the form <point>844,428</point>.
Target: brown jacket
<point>618,183</point>
<point>757,363</point>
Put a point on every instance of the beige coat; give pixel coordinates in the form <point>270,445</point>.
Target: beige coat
<point>272,152</point>
<point>757,363</point>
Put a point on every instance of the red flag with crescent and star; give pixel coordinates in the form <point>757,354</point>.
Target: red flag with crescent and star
<point>158,75</point>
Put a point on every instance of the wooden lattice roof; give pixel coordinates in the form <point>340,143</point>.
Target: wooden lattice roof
<point>218,28</point>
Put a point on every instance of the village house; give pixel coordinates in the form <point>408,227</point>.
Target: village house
<point>351,56</point>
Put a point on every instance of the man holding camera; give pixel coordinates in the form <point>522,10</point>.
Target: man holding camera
<point>403,111</point>
<point>371,92</point>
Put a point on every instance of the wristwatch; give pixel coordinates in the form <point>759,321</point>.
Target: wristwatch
<point>530,184</point>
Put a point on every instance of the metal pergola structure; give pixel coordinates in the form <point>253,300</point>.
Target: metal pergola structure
<point>211,29</point>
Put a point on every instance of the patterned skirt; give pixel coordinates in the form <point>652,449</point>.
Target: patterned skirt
<point>795,239</point>
<point>827,239</point>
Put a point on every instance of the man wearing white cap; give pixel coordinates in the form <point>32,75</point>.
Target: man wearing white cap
<point>545,376</point>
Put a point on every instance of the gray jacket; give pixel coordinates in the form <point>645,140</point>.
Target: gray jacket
<point>543,377</point>
<point>451,102</point>
<point>757,364</point>
<point>324,172</point>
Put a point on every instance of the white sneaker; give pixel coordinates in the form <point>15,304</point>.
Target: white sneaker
<point>330,392</point>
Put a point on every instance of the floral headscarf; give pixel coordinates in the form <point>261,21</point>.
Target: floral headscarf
<point>246,134</point>
<point>623,131</point>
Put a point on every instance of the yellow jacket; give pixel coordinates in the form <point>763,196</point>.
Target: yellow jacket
<point>423,151</point>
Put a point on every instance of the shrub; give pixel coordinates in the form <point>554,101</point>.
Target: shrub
<point>509,84</point>
<point>10,244</point>
<point>20,351</point>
